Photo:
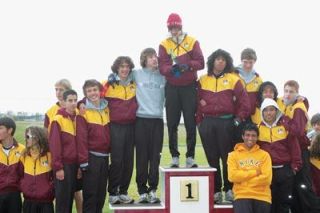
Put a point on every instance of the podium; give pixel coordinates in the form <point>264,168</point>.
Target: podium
<point>183,190</point>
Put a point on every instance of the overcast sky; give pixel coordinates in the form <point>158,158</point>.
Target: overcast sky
<point>43,41</point>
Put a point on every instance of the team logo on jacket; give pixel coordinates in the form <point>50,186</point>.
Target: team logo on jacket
<point>17,154</point>
<point>186,45</point>
<point>45,163</point>
<point>225,82</point>
<point>132,88</point>
<point>249,162</point>
<point>256,84</point>
<point>280,131</point>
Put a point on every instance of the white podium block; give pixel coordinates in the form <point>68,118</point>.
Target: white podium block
<point>183,190</point>
<point>188,190</point>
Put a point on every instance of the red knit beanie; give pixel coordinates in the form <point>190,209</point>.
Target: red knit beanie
<point>174,20</point>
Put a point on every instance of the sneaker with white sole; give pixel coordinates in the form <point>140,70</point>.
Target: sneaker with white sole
<point>143,198</point>
<point>190,163</point>
<point>153,197</point>
<point>229,196</point>
<point>175,162</point>
<point>218,197</point>
<point>114,199</point>
<point>126,199</point>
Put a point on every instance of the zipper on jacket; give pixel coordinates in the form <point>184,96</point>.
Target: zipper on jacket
<point>216,85</point>
<point>271,134</point>
<point>101,117</point>
<point>125,92</point>
<point>34,167</point>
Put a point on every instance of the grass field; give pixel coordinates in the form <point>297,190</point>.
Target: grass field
<point>165,159</point>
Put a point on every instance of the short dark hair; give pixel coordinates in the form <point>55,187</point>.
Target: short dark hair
<point>248,54</point>
<point>91,83</point>
<point>250,127</point>
<point>121,59</point>
<point>144,54</point>
<point>262,88</point>
<point>315,119</point>
<point>69,92</point>
<point>8,123</point>
<point>215,55</point>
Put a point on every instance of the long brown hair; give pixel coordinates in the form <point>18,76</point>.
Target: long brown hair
<point>315,148</point>
<point>40,135</point>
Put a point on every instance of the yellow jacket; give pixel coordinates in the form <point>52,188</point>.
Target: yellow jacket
<point>242,171</point>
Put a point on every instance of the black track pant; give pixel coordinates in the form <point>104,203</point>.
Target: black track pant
<point>65,189</point>
<point>281,189</point>
<point>10,202</point>
<point>37,207</point>
<point>251,206</point>
<point>305,199</point>
<point>216,136</point>
<point>181,99</point>
<point>122,154</point>
<point>95,180</point>
<point>149,140</point>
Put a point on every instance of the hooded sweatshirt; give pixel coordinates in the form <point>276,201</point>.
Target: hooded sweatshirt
<point>150,93</point>
<point>10,168</point>
<point>187,52</point>
<point>122,101</point>
<point>50,114</point>
<point>62,140</point>
<point>93,135</point>
<point>224,96</point>
<point>242,171</point>
<point>297,111</point>
<point>277,140</point>
<point>37,181</point>
<point>251,82</point>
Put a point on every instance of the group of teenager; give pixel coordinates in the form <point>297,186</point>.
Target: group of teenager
<point>259,140</point>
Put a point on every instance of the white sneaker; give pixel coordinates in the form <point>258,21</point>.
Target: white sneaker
<point>175,162</point>
<point>114,199</point>
<point>229,196</point>
<point>126,199</point>
<point>143,198</point>
<point>218,197</point>
<point>190,163</point>
<point>153,197</point>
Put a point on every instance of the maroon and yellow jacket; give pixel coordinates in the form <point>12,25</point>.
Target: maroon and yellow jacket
<point>187,52</point>
<point>92,133</point>
<point>298,125</point>
<point>252,89</point>
<point>242,172</point>
<point>62,140</point>
<point>282,147</point>
<point>224,95</point>
<point>10,169</point>
<point>37,181</point>
<point>50,114</point>
<point>122,102</point>
<point>315,174</point>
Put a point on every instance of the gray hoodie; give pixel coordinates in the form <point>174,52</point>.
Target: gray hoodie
<point>150,93</point>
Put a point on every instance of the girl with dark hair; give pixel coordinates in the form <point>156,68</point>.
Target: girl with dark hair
<point>37,181</point>
<point>266,90</point>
